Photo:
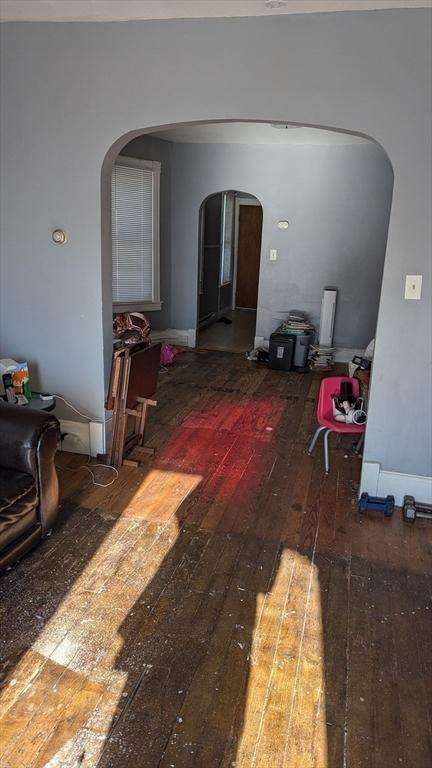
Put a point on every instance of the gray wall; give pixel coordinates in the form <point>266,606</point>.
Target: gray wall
<point>337,200</point>
<point>70,91</point>
<point>150,148</point>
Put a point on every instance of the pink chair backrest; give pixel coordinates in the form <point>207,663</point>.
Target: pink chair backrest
<point>331,386</point>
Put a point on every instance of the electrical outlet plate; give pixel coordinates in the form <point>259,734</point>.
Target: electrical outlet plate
<point>77,439</point>
<point>413,286</point>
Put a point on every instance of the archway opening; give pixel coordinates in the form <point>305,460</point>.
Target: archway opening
<point>331,190</point>
<point>228,274</point>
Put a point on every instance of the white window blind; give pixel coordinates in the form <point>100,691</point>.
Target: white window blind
<point>135,232</point>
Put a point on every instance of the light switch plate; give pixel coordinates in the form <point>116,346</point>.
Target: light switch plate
<point>273,254</point>
<point>413,286</point>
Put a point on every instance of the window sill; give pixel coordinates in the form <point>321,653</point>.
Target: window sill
<point>146,306</point>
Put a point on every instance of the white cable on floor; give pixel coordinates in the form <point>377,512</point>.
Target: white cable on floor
<point>84,415</point>
<point>107,466</point>
<point>87,467</point>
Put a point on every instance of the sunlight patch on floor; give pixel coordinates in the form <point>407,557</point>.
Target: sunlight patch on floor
<point>53,703</point>
<point>285,702</point>
<point>74,660</point>
<point>161,494</point>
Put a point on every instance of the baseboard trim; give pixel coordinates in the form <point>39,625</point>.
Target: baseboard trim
<point>83,437</point>
<point>186,338</point>
<point>381,482</point>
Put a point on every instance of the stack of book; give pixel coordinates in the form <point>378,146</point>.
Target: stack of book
<point>296,323</point>
<point>321,358</point>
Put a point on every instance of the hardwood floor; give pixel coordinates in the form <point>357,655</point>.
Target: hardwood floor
<point>225,605</point>
<point>237,337</point>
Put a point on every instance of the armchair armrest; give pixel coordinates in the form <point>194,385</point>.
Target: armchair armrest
<point>21,429</point>
<point>28,442</point>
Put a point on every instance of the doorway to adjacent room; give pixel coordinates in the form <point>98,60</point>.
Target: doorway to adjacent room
<point>229,264</point>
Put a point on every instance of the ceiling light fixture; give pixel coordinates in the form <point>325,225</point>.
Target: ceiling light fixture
<point>273,5</point>
<point>283,126</point>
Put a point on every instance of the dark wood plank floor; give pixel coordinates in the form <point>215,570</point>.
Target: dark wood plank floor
<point>224,605</point>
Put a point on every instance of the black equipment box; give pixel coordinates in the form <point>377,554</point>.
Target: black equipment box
<point>281,351</point>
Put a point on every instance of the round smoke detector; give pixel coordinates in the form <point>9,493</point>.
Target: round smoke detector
<point>59,236</point>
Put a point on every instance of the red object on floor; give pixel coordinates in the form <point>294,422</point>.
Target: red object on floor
<point>329,387</point>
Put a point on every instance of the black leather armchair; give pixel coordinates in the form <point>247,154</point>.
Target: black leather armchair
<point>28,479</point>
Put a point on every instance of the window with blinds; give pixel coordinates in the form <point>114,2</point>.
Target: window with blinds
<point>135,233</point>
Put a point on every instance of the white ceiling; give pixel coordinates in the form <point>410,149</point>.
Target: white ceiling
<point>254,133</point>
<point>122,10</point>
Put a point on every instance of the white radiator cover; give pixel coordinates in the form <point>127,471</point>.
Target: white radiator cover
<point>328,311</point>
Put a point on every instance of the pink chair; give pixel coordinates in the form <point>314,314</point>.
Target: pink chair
<point>331,386</point>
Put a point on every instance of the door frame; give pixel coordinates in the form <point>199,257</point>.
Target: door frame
<point>238,202</point>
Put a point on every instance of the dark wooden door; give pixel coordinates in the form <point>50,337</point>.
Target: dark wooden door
<point>248,255</point>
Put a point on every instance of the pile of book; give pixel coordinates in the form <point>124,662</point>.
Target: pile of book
<point>321,358</point>
<point>296,323</point>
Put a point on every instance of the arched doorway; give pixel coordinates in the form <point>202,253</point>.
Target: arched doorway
<point>273,301</point>
<point>229,266</point>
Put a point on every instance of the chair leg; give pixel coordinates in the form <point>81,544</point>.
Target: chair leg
<point>359,445</point>
<point>314,439</point>
<point>326,451</point>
